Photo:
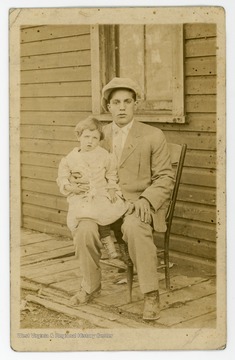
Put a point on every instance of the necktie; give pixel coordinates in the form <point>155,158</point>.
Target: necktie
<point>118,146</point>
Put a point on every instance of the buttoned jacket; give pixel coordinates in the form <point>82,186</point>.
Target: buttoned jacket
<point>145,168</point>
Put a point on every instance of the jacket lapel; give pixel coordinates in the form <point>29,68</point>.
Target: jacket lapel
<point>131,142</point>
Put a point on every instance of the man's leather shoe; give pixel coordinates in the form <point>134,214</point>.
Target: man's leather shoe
<point>151,306</point>
<point>82,297</point>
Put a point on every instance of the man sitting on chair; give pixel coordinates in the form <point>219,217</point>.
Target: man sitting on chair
<point>146,180</point>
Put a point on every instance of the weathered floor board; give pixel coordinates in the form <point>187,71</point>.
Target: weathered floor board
<point>51,270</point>
<point>45,255</point>
<point>30,237</point>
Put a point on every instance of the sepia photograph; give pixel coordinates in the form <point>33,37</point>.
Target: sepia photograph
<point>117,126</point>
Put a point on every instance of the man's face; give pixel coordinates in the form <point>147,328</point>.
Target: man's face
<point>122,107</point>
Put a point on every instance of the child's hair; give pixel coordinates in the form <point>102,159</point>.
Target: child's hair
<point>90,123</point>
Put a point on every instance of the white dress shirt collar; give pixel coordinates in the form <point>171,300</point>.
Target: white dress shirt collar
<point>125,129</point>
<point>120,135</point>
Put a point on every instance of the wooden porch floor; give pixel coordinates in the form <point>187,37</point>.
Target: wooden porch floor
<point>50,269</point>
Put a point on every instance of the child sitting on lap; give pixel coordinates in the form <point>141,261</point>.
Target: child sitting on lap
<point>102,201</point>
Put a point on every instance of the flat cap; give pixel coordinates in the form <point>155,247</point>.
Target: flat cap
<point>117,83</point>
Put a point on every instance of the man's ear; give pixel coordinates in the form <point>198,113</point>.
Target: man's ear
<point>108,106</point>
<point>136,105</point>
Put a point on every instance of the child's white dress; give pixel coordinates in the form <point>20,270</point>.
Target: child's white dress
<point>98,166</point>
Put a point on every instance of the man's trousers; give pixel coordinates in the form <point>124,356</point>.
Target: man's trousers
<point>139,237</point>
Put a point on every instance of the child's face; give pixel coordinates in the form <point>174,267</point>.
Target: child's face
<point>89,139</point>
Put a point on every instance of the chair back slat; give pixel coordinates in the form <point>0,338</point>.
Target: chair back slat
<point>177,153</point>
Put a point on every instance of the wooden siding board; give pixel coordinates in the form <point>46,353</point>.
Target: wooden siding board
<point>39,172</point>
<point>46,32</point>
<point>39,212</point>
<point>46,160</point>
<point>186,259</point>
<point>192,246</point>
<point>49,201</point>
<point>200,85</point>
<point>74,58</point>
<point>194,229</point>
<point>59,45</point>
<point>201,177</point>
<point>52,118</point>
<point>200,159</point>
<point>194,122</point>
<point>203,249</point>
<point>203,213</point>
<point>47,146</point>
<point>201,103</point>
<point>40,186</point>
<point>197,194</point>
<point>196,141</point>
<point>76,73</point>
<point>200,66</point>
<point>200,30</point>
<point>201,122</point>
<point>200,47</point>
<point>29,26</point>
<point>48,132</point>
<point>45,226</point>
<point>56,103</point>
<point>82,88</point>
<point>182,247</point>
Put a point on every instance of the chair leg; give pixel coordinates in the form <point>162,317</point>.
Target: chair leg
<point>129,281</point>
<point>167,271</point>
<point>166,258</point>
<point>167,276</point>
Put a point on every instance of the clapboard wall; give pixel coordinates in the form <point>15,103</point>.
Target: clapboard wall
<point>194,224</point>
<point>56,94</point>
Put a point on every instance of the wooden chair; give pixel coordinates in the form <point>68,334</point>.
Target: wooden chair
<point>177,153</point>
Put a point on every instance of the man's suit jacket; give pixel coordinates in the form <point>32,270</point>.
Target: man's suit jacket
<point>145,169</point>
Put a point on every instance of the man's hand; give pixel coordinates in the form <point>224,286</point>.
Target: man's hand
<point>142,210</point>
<point>112,195</point>
<point>75,188</point>
<point>81,183</point>
<point>131,208</point>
